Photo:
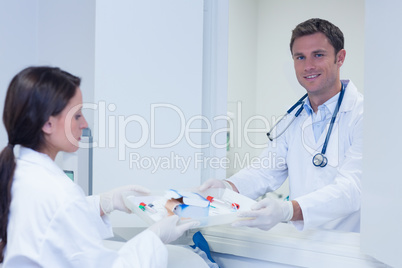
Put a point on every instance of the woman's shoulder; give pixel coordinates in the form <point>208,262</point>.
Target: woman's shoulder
<point>39,183</point>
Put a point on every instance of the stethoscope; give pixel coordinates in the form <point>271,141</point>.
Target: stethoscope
<point>319,160</point>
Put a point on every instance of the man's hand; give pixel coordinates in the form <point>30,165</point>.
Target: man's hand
<point>266,214</point>
<point>168,230</point>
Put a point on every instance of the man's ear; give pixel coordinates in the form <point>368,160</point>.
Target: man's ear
<point>340,57</point>
<point>48,127</point>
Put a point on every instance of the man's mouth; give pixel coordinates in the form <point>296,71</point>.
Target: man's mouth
<point>312,76</point>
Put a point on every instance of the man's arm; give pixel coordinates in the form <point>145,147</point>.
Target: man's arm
<point>234,188</point>
<point>297,212</point>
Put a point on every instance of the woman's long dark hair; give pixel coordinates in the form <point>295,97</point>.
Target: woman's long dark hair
<point>34,94</point>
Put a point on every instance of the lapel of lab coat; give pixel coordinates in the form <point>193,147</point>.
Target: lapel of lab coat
<point>347,104</point>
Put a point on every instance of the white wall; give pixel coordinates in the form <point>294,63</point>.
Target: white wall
<point>18,46</point>
<point>242,70</point>
<point>54,33</point>
<point>43,32</point>
<point>66,39</point>
<point>381,194</point>
<point>214,85</point>
<point>147,53</point>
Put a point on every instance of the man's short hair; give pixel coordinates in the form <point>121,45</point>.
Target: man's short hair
<point>315,25</point>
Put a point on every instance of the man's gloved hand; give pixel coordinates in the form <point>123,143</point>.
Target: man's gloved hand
<point>168,230</point>
<point>266,214</point>
<point>113,200</point>
<point>214,183</point>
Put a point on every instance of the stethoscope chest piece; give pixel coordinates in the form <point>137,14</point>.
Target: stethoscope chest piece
<point>320,160</point>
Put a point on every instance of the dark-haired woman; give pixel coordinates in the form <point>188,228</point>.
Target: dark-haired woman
<point>46,220</point>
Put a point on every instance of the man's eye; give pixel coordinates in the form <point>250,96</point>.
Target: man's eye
<point>77,116</point>
<point>319,55</point>
<point>300,58</point>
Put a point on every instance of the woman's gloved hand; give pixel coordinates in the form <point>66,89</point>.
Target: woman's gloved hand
<point>266,214</point>
<point>168,230</point>
<point>113,200</point>
<point>214,183</point>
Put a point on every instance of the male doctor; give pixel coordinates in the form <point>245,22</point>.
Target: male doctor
<point>324,189</point>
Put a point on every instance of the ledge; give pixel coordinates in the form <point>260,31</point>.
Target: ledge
<point>284,244</point>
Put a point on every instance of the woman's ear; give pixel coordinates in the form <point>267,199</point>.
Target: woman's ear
<point>48,127</point>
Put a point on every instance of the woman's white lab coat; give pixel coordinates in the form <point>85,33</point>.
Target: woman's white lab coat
<point>329,197</point>
<point>53,224</point>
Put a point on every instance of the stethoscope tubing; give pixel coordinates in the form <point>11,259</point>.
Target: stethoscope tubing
<point>331,124</point>
<point>323,161</point>
<point>299,102</point>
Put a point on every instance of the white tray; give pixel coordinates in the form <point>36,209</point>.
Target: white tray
<point>217,215</point>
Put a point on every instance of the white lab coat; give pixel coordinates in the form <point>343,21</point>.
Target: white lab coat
<point>53,224</point>
<point>329,197</point>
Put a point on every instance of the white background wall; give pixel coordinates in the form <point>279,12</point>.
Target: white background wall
<point>15,53</point>
<point>44,32</point>
<point>381,194</point>
<point>242,75</point>
<point>147,53</point>
<point>65,38</point>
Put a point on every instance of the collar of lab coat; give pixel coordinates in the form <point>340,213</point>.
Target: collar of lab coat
<point>350,97</point>
<point>348,101</point>
<point>32,156</point>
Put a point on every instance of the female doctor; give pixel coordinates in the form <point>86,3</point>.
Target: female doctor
<point>46,220</point>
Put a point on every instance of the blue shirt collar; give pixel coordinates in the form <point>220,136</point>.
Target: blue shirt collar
<point>329,105</point>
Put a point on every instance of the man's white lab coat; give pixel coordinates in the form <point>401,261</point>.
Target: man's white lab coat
<point>329,197</point>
